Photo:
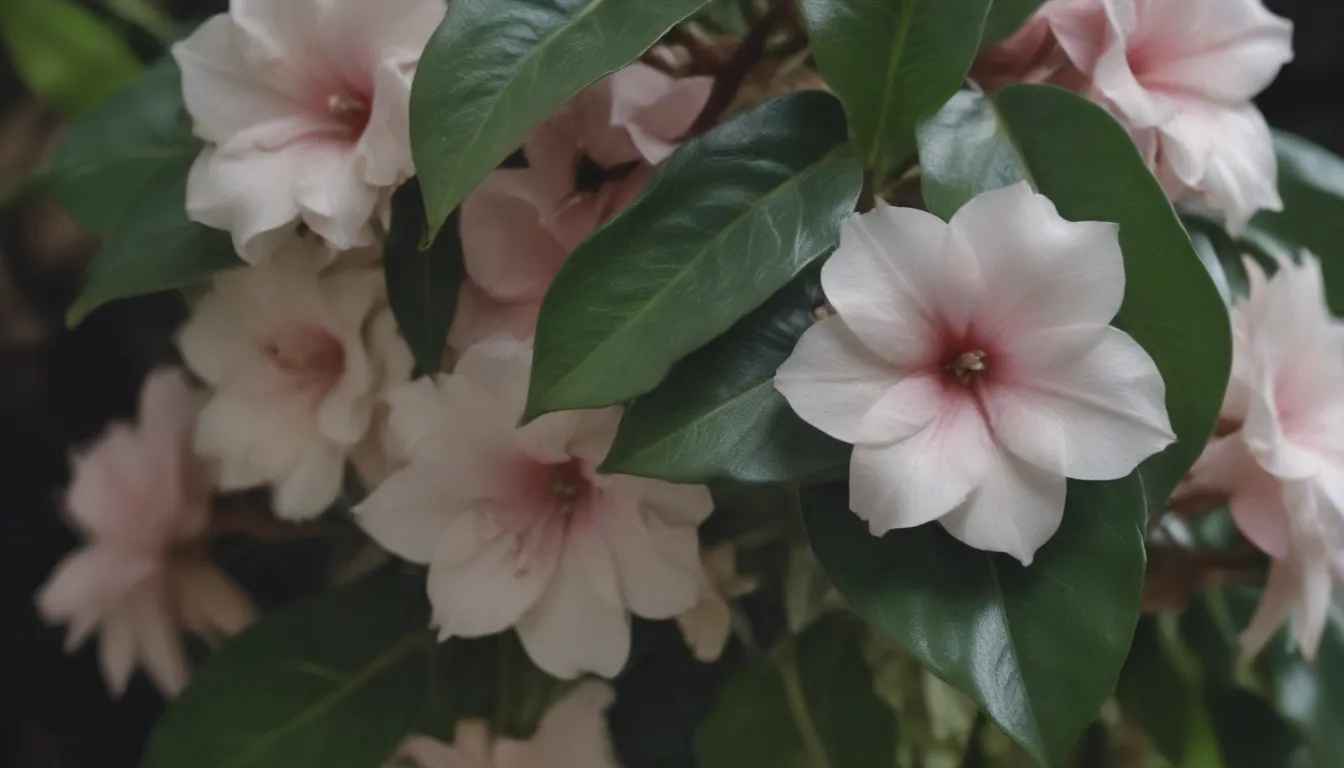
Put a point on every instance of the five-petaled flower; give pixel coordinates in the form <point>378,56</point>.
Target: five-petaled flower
<point>972,365</point>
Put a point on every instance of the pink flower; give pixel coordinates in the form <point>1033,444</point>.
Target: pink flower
<point>1180,74</point>
<point>305,104</point>
<point>1283,466</point>
<point>517,527</point>
<point>142,502</point>
<point>298,359</point>
<point>585,163</point>
<point>972,366</point>
<point>572,734</point>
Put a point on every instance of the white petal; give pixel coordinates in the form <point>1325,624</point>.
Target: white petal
<point>409,513</point>
<point>1015,509</point>
<point>922,478</point>
<point>658,564</point>
<point>1227,156</point>
<point>1221,50</point>
<point>160,650</point>
<point>252,442</point>
<point>1044,271</point>
<point>250,194</point>
<point>573,734</point>
<point>312,484</point>
<point>706,627</point>
<point>1280,592</point>
<point>478,585</point>
<point>117,651</point>
<point>883,277</point>
<point>223,92</point>
<point>674,503</point>
<point>833,382</point>
<point>1090,405</point>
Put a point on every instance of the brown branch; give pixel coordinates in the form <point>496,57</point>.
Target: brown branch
<point>730,79</point>
<point>1174,574</point>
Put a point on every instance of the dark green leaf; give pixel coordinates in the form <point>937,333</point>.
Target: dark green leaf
<point>496,68</point>
<point>893,63</point>
<point>1159,688</point>
<point>1039,648</point>
<point>1077,155</point>
<point>154,246</point>
<point>809,703</point>
<point>718,415</point>
<point>1006,16</point>
<point>421,284</point>
<point>726,221</point>
<point>65,54</point>
<point>336,681</point>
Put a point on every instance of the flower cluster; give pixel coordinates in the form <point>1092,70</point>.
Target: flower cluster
<point>1179,75</point>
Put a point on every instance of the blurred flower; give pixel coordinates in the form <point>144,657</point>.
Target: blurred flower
<point>298,360</point>
<point>707,625</point>
<point>972,366</point>
<point>517,527</point>
<point>1180,75</point>
<point>572,734</point>
<point>305,105</point>
<point>584,164</point>
<point>1282,465</point>
<point>142,502</point>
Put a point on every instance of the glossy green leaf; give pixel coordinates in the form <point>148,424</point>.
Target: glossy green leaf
<point>336,681</point>
<point>1077,155</point>
<point>65,54</point>
<point>1039,648</point>
<point>809,703</point>
<point>718,415</point>
<point>893,63</point>
<point>726,221</point>
<point>422,285</point>
<point>496,68</point>
<point>1006,17</point>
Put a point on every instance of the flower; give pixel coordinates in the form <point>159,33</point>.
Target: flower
<point>517,527</point>
<point>572,734</point>
<point>305,106</point>
<point>142,502</point>
<point>707,625</point>
<point>972,366</point>
<point>1180,74</point>
<point>585,163</point>
<point>298,360</point>
<point>1281,462</point>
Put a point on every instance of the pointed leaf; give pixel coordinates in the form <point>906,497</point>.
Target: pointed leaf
<point>718,415</point>
<point>725,222</point>
<point>893,63</point>
<point>1039,648</point>
<point>422,285</point>
<point>65,53</point>
<point>496,68</point>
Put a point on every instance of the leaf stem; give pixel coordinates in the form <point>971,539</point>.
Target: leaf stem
<point>787,664</point>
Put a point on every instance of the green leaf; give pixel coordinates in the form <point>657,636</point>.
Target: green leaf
<point>1006,17</point>
<point>421,284</point>
<point>1311,182</point>
<point>1311,694</point>
<point>495,69</point>
<point>1039,648</point>
<point>893,63</point>
<point>1161,688</point>
<point>335,681</point>
<point>65,53</point>
<point>718,415</point>
<point>1077,155</point>
<point>726,221</point>
<point>810,703</point>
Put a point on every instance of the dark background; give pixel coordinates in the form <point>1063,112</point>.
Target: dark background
<point>59,388</point>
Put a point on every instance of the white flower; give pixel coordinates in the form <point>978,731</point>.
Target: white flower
<point>972,366</point>
<point>298,360</point>
<point>518,528</point>
<point>707,626</point>
<point>1181,74</point>
<point>572,734</point>
<point>142,501</point>
<point>305,105</point>
<point>1283,464</point>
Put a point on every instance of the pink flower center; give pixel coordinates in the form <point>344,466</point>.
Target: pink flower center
<point>311,358</point>
<point>351,111</point>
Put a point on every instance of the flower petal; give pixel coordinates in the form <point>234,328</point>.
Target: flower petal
<point>410,512</point>
<point>478,584</point>
<point>1015,509</point>
<point>506,250</point>
<point>572,629</point>
<point>657,564</point>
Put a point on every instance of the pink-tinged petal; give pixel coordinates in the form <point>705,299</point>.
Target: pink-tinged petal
<point>835,383</point>
<point>656,110</point>
<point>924,477</point>
<point>1082,29</point>
<point>1223,51</point>
<point>160,649</point>
<point>508,253</point>
<point>572,629</point>
<point>1281,591</point>
<point>385,144</point>
<point>470,749</point>
<point>1226,155</point>
<point>312,484</point>
<point>334,200</point>
<point>207,602</point>
<point>659,570</point>
<point>479,583</point>
<point>1045,271</point>
<point>1256,499</point>
<point>547,439</point>
<point>594,434</point>
<point>410,512</point>
<point>674,503</point>
<point>249,194</point>
<point>225,93</point>
<point>706,627</point>
<point>1081,403</point>
<point>88,585</point>
<point>1115,82</point>
<point>883,278</point>
<point>396,30</point>
<point>500,367</point>
<point>250,441</point>
<point>1264,434</point>
<point>1015,509</point>
<point>573,733</point>
<point>117,651</point>
<point>480,317</point>
<point>108,495</point>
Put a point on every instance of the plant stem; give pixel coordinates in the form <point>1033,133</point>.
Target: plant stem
<point>730,80</point>
<point>974,756</point>
<point>787,664</point>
